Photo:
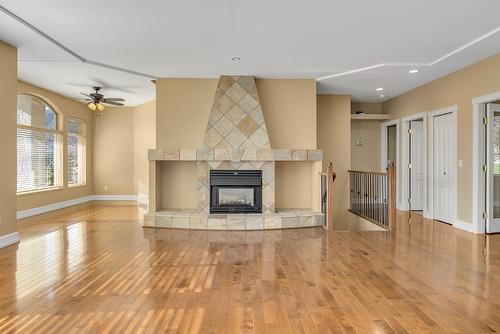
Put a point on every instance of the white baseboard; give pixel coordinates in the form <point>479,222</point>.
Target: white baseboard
<point>9,239</point>
<point>61,205</point>
<point>464,226</point>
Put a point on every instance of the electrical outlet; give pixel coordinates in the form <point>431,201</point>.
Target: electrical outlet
<point>105,188</point>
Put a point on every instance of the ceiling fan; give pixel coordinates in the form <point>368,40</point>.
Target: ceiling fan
<point>96,100</point>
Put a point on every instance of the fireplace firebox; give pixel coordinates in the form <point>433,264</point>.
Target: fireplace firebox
<point>235,191</point>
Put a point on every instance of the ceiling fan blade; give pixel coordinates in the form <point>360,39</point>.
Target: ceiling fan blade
<point>113,103</point>
<point>114,99</point>
<point>87,95</point>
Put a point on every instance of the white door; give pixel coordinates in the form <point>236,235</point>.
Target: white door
<point>417,165</point>
<point>443,168</point>
<point>493,154</point>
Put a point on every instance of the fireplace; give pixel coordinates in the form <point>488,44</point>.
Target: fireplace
<point>235,191</point>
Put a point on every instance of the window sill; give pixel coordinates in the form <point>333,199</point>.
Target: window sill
<point>31,192</point>
<point>76,185</point>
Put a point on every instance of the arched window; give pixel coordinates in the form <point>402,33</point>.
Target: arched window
<point>38,145</point>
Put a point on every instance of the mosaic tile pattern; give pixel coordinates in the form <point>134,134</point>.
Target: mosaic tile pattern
<point>236,119</point>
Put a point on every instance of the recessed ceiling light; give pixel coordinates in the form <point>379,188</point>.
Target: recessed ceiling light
<point>413,71</point>
<point>368,95</point>
<point>236,59</point>
<point>382,96</point>
<point>379,89</point>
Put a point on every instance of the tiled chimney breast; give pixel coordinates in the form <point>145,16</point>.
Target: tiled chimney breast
<point>235,128</point>
<point>236,120</point>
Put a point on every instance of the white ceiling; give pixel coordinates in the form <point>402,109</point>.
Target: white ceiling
<point>327,39</point>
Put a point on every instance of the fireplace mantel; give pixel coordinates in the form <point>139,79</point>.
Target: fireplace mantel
<point>188,154</point>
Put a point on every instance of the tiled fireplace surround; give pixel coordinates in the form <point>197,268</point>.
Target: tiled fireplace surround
<point>235,139</point>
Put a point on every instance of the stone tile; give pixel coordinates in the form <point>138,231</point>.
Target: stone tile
<point>268,172</point>
<point>268,197</point>
<point>272,222</point>
<point>260,138</point>
<point>164,221</point>
<point>218,93</point>
<point>257,115</point>
<point>221,154</point>
<point>223,103</point>
<point>223,144</point>
<point>199,221</point>
<point>149,220</point>
<point>225,165</point>
<point>216,222</point>
<point>171,154</point>
<point>235,114</point>
<point>283,154</point>
<point>248,144</point>
<point>254,93</point>
<point>225,82</point>
<point>249,154</point>
<point>235,138</point>
<point>155,154</point>
<point>214,164</point>
<point>258,164</point>
<point>299,155</point>
<point>215,115</point>
<point>248,126</point>
<point>248,103</point>
<point>306,220</point>
<point>224,126</point>
<point>204,154</point>
<point>203,194</point>
<point>289,222</point>
<point>315,155</point>
<point>181,221</point>
<point>212,137</point>
<point>246,82</point>
<point>188,154</point>
<point>265,155</point>
<point>235,155</point>
<point>246,166</point>
<point>235,92</point>
<point>236,164</point>
<point>254,222</point>
<point>235,222</point>
<point>319,219</point>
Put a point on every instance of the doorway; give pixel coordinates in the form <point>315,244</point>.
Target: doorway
<point>414,162</point>
<point>390,152</point>
<point>493,170</point>
<point>443,165</point>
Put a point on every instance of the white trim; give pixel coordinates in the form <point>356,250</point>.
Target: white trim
<point>405,160</point>
<point>9,239</point>
<point>61,205</point>
<point>430,64</point>
<point>429,213</point>
<point>478,144</point>
<point>461,225</point>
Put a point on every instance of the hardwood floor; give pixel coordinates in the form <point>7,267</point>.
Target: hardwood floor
<point>93,269</point>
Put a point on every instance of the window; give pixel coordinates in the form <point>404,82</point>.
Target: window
<point>38,145</point>
<point>76,151</point>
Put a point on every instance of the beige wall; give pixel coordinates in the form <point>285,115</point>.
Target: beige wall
<point>458,88</point>
<point>8,96</point>
<point>65,107</point>
<point>114,152</point>
<point>123,136</point>
<point>365,157</point>
<point>334,137</point>
<point>289,108</point>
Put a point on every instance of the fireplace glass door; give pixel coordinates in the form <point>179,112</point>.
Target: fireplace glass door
<point>236,197</point>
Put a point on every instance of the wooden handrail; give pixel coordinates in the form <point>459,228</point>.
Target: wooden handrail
<point>366,172</point>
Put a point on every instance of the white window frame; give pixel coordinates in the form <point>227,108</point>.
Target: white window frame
<point>82,156</point>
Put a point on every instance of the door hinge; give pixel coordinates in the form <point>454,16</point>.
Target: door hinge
<point>485,168</point>
<point>485,120</point>
<point>409,200</point>
<point>409,131</point>
<point>485,215</point>
<point>409,166</point>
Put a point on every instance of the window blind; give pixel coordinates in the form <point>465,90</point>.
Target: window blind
<point>76,151</point>
<point>38,145</point>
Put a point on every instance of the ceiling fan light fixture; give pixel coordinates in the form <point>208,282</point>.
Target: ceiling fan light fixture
<point>100,106</point>
<point>92,106</point>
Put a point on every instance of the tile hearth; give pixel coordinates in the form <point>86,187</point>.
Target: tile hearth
<point>192,219</point>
